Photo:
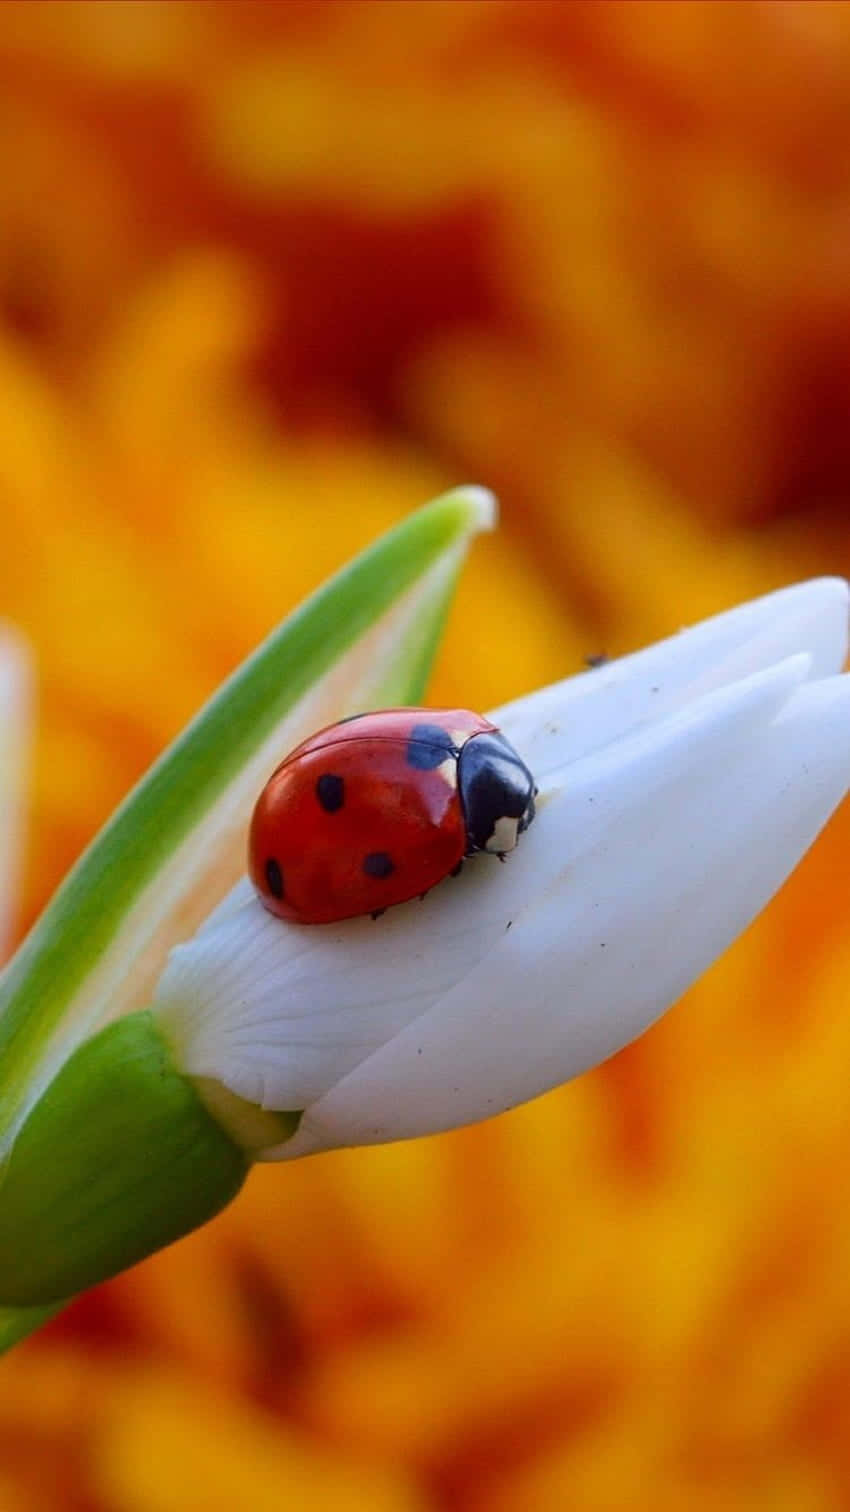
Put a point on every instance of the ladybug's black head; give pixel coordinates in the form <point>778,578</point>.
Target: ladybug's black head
<point>496,793</point>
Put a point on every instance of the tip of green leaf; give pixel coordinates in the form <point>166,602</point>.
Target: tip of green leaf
<point>482,506</point>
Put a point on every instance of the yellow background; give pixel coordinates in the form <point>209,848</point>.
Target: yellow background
<point>270,275</point>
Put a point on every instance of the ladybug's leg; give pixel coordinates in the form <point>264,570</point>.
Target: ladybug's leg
<point>376,913</point>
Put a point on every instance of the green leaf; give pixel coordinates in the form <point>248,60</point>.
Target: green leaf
<point>176,845</point>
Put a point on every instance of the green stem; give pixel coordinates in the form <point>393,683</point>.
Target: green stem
<point>117,1158</point>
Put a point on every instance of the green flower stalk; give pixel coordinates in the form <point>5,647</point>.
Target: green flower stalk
<point>118,1157</point>
<point>107,1151</point>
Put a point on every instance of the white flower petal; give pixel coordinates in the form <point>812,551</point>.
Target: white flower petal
<point>572,718</point>
<point>678,789</point>
<point>281,1013</point>
<point>591,964</point>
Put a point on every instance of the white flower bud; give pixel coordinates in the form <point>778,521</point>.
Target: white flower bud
<point>678,788</point>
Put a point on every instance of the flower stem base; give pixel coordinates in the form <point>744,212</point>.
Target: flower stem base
<point>117,1158</point>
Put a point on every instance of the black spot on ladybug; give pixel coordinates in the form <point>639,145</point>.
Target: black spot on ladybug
<point>378,864</point>
<point>428,746</point>
<point>274,877</point>
<point>330,791</point>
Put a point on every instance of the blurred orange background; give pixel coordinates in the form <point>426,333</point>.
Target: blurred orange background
<point>271,275</point>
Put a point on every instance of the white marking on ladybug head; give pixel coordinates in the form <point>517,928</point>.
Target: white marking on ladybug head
<point>504,836</point>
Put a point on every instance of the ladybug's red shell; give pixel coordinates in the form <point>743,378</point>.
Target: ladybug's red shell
<point>364,814</point>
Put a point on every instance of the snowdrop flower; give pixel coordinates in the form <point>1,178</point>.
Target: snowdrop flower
<point>678,788</point>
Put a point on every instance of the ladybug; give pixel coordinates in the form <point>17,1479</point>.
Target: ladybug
<point>380,807</point>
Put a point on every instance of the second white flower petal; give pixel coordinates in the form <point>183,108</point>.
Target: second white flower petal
<point>573,718</point>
